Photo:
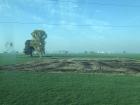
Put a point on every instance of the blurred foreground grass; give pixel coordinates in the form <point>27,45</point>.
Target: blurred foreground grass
<point>42,88</point>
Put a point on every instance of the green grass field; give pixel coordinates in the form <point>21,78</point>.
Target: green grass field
<point>43,88</point>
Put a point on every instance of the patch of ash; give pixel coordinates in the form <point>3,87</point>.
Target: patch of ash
<point>77,65</point>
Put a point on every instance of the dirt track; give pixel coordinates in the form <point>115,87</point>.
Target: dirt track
<point>68,65</point>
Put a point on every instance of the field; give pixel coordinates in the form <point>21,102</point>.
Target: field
<point>29,84</point>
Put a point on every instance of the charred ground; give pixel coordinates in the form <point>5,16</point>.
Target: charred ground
<point>77,65</point>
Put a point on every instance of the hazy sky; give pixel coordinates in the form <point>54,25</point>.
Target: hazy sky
<point>74,25</point>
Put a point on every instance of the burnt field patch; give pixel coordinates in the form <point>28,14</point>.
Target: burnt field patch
<point>68,65</point>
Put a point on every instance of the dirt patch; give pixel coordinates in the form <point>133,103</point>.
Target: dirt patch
<point>68,65</point>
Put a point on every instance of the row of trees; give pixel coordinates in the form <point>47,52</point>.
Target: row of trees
<point>36,44</point>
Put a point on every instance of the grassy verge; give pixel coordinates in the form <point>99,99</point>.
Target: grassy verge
<point>41,88</point>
